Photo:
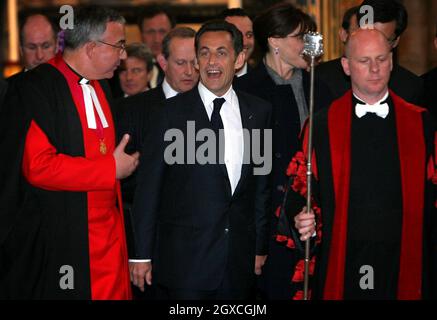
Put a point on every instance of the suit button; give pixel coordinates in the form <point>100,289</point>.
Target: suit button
<point>278,155</point>
<point>280,188</point>
<point>226,231</point>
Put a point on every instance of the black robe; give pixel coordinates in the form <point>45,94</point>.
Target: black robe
<point>396,180</point>
<point>32,219</point>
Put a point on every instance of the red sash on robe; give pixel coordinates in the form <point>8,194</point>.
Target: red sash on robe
<point>106,233</point>
<point>412,163</point>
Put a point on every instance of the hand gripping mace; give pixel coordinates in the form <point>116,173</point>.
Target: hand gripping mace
<point>313,48</point>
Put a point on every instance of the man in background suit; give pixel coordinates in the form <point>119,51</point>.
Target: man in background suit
<point>154,23</point>
<point>239,18</point>
<point>391,18</point>
<point>177,60</point>
<point>38,44</point>
<point>204,226</point>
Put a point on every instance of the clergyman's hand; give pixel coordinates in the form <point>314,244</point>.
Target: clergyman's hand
<point>125,164</point>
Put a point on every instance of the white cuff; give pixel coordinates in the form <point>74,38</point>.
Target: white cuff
<point>140,260</point>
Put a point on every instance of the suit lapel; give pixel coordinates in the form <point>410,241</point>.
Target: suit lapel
<point>247,120</point>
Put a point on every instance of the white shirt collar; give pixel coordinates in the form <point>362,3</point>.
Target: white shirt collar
<point>169,92</point>
<point>376,103</point>
<point>208,97</point>
<point>242,71</point>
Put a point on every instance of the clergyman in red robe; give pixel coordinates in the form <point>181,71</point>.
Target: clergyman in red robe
<point>63,233</point>
<point>373,219</point>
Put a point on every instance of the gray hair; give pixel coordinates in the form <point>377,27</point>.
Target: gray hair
<point>89,25</point>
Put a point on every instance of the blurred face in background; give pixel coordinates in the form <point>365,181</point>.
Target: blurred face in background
<point>134,77</point>
<point>39,42</point>
<point>244,24</point>
<point>179,68</point>
<point>154,30</point>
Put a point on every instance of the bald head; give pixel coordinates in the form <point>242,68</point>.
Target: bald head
<point>364,37</point>
<point>368,61</point>
<point>38,41</point>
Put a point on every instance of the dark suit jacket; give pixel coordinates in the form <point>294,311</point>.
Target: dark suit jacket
<point>430,84</point>
<point>133,118</point>
<point>403,82</point>
<point>133,114</point>
<point>186,218</point>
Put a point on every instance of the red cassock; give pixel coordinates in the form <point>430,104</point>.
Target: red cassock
<point>94,174</point>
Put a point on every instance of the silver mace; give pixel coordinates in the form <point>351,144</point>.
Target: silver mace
<point>313,48</point>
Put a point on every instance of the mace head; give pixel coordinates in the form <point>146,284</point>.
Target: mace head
<point>313,44</point>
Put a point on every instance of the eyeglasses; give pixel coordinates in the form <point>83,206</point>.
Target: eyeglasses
<point>121,46</point>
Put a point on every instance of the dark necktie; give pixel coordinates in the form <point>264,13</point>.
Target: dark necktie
<point>217,124</point>
<point>216,119</point>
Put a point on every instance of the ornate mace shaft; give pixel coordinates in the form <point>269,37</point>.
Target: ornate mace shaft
<point>313,48</point>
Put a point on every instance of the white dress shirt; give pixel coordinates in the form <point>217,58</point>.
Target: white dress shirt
<point>242,71</point>
<point>169,92</point>
<point>233,130</point>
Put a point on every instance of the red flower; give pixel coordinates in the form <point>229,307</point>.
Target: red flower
<point>299,295</point>
<point>297,161</point>
<point>281,238</point>
<point>290,244</point>
<point>298,275</point>
<point>292,168</point>
<point>278,211</point>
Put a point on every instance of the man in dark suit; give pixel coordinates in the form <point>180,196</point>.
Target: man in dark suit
<point>204,224</point>
<point>391,18</point>
<point>239,18</point>
<point>177,61</point>
<point>38,44</point>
